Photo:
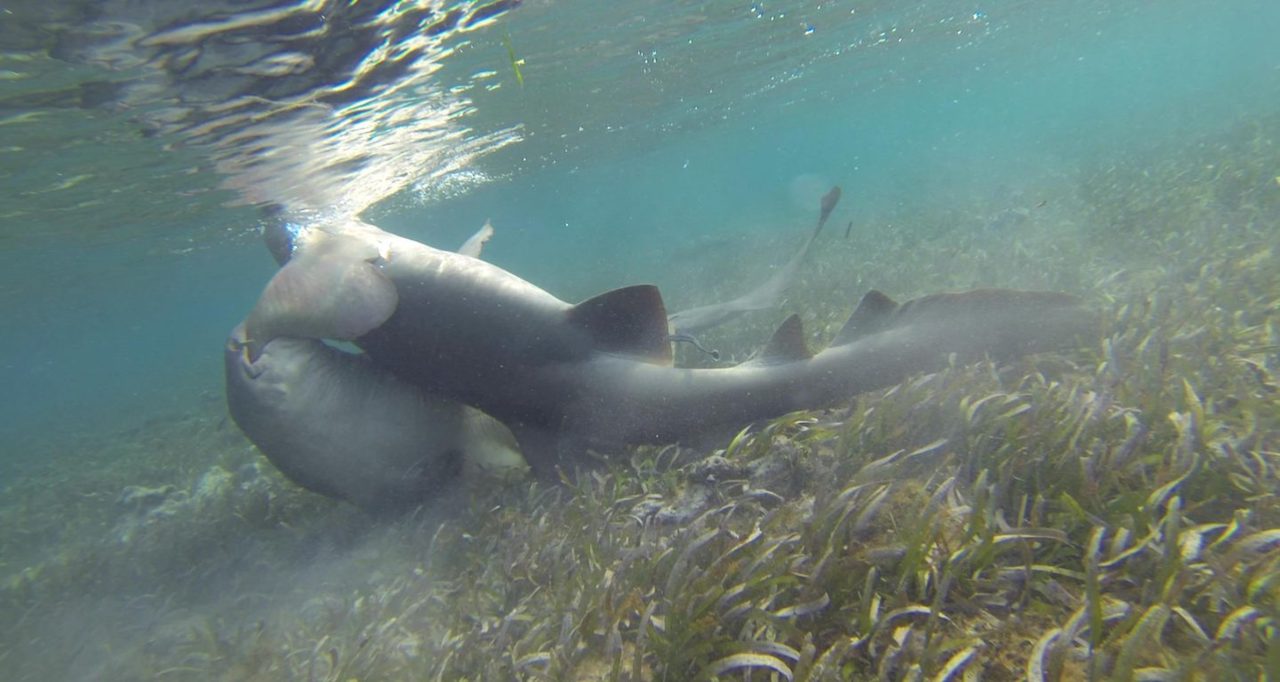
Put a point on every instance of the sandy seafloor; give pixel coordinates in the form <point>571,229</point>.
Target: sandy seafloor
<point>1109,512</point>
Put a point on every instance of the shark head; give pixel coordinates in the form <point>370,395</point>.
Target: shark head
<point>331,287</point>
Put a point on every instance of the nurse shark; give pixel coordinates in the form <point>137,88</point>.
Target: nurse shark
<point>686,323</point>
<point>336,424</point>
<point>563,376</point>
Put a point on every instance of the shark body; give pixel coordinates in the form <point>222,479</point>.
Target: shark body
<point>767,295</point>
<point>336,424</point>
<point>601,371</point>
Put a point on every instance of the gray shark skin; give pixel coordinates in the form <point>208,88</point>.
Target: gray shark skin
<point>664,404</point>
<point>337,425</point>
<point>601,372</point>
<point>763,297</point>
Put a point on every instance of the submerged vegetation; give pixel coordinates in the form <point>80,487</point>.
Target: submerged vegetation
<point>1111,513</point>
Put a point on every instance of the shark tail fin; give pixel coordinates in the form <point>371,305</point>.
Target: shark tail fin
<point>829,201</point>
<point>995,322</point>
<point>985,303</point>
<point>630,320</point>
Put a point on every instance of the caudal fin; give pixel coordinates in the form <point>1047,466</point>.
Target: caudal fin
<point>996,322</point>
<point>829,201</point>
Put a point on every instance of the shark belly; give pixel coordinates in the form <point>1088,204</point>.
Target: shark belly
<point>336,424</point>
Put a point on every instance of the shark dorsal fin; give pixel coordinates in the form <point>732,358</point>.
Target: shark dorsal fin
<point>787,343</point>
<point>868,318</point>
<point>630,320</point>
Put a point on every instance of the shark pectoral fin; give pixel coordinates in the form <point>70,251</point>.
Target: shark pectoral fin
<point>475,244</point>
<point>787,343</point>
<point>869,317</point>
<point>490,448</point>
<point>630,320</point>
<point>333,293</point>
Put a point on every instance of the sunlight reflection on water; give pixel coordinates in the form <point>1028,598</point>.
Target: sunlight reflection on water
<point>312,105</point>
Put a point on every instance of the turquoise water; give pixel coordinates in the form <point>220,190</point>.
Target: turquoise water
<point>647,142</point>
<point>640,137</point>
